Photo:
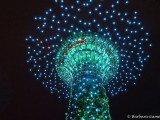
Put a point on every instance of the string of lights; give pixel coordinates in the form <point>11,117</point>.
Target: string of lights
<point>132,41</point>
<point>88,37</point>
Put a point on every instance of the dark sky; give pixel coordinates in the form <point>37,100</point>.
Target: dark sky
<point>24,98</point>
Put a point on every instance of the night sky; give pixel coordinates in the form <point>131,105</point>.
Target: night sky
<point>24,98</point>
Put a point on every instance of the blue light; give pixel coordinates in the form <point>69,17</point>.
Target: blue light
<point>127,2</point>
<point>125,30</point>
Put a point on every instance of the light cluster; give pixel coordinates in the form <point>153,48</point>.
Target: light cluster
<point>89,53</point>
<point>123,29</point>
<point>88,100</point>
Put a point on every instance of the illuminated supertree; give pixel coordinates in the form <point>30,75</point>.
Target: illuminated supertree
<point>83,48</point>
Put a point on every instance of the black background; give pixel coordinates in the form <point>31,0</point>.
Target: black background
<point>23,98</point>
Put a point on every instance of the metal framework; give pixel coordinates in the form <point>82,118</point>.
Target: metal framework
<point>87,62</point>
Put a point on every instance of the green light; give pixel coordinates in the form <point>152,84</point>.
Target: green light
<point>80,49</point>
<point>87,62</point>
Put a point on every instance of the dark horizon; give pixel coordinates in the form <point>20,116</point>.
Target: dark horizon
<point>24,98</point>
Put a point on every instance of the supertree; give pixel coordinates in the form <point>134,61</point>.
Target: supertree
<point>83,48</point>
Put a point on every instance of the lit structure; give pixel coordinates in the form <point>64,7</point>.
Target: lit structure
<point>98,47</point>
<point>87,62</point>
